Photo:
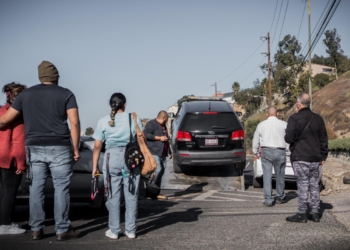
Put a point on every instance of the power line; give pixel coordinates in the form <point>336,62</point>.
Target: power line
<point>253,70</point>
<point>250,75</point>
<point>206,90</point>
<point>313,32</point>
<point>323,26</point>
<point>305,49</point>
<point>285,13</point>
<point>274,16</point>
<point>247,83</point>
<point>273,19</point>
<point>241,64</point>
<point>274,34</point>
<point>302,17</point>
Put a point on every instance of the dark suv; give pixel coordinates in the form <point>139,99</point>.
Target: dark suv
<point>207,132</point>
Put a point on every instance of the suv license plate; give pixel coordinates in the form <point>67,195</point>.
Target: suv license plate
<point>211,142</point>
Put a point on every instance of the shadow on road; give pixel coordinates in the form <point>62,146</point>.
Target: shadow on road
<point>168,219</point>
<point>195,188</point>
<point>211,171</point>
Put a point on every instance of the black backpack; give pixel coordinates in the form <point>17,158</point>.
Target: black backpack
<point>133,156</point>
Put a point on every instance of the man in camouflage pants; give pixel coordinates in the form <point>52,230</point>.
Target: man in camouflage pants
<point>306,133</point>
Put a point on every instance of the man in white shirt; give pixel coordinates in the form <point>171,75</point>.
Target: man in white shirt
<point>269,136</point>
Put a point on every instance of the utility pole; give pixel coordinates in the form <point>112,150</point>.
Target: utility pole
<point>310,83</point>
<point>264,38</point>
<point>336,70</point>
<point>269,68</point>
<point>215,89</point>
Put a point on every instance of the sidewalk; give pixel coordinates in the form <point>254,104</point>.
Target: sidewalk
<point>336,192</point>
<point>341,207</point>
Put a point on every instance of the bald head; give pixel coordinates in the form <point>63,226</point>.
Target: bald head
<point>272,111</point>
<point>162,117</point>
<point>162,114</point>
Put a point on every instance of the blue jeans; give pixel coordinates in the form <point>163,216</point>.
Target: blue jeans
<point>159,170</point>
<point>130,184</point>
<point>273,158</point>
<point>59,159</point>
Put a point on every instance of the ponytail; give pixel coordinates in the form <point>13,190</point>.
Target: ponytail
<point>116,102</point>
<point>112,123</point>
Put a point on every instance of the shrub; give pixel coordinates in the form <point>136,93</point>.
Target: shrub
<point>321,80</point>
<point>339,144</point>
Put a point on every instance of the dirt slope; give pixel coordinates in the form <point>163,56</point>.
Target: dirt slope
<point>333,103</point>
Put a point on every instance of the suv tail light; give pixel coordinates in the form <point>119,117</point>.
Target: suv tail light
<point>238,135</point>
<point>183,136</point>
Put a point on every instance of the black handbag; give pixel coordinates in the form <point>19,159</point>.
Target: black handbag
<point>133,156</point>
<point>152,190</point>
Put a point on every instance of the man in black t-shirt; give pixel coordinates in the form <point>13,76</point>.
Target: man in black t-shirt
<point>157,139</point>
<point>45,108</point>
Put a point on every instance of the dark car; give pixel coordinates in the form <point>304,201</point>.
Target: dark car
<point>207,132</point>
<point>80,186</point>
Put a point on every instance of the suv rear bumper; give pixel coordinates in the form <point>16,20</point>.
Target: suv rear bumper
<point>217,158</point>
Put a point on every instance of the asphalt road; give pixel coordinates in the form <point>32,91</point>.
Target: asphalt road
<point>205,211</point>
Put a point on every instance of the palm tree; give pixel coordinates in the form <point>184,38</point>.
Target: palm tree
<point>235,87</point>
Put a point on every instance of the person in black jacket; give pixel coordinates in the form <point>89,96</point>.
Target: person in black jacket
<point>306,133</point>
<point>157,139</point>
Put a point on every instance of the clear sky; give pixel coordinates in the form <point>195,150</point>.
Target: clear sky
<point>153,51</point>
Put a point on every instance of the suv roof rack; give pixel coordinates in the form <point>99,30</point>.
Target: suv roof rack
<point>204,98</point>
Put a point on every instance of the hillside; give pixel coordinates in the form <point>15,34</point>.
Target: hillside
<point>333,103</point>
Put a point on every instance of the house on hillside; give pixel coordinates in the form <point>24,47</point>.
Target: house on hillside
<point>218,94</point>
<point>320,69</point>
<point>228,97</point>
<point>173,109</point>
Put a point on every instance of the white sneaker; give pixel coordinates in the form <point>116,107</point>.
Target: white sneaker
<point>130,235</point>
<point>111,235</point>
<point>11,229</point>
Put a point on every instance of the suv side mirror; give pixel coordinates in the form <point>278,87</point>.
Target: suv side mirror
<point>239,113</point>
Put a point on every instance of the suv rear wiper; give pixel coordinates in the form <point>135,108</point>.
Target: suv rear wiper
<point>217,127</point>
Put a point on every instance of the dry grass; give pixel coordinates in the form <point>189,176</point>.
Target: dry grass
<point>333,103</point>
<point>330,132</point>
<point>258,117</point>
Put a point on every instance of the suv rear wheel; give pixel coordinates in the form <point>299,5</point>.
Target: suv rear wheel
<point>177,168</point>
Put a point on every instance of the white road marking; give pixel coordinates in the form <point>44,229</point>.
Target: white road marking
<point>248,192</point>
<point>213,195</point>
<point>208,199</point>
<point>244,195</point>
<point>250,212</point>
<point>205,195</point>
<point>226,198</point>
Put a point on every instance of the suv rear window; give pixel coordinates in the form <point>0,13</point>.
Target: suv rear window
<point>205,122</point>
